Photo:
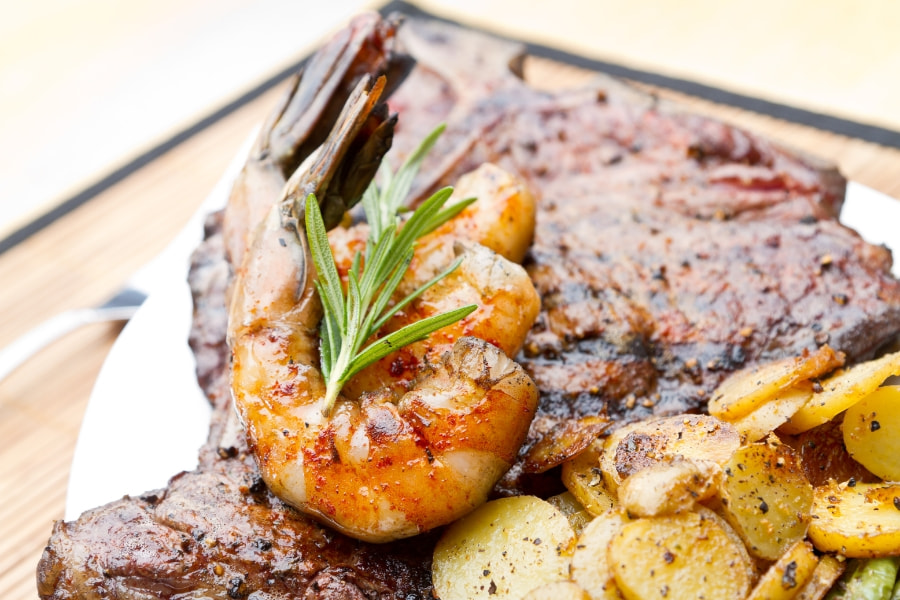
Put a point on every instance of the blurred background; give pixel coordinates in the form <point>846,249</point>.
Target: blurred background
<point>88,85</point>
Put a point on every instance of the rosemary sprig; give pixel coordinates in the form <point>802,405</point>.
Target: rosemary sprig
<point>354,315</point>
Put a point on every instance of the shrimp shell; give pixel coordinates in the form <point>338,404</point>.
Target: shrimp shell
<point>392,461</point>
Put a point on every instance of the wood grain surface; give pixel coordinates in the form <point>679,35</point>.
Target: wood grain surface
<point>82,259</point>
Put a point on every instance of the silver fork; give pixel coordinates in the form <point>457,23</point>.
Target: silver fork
<point>120,307</point>
<point>169,265</point>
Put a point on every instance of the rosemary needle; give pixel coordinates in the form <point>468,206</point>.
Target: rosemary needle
<point>353,315</point>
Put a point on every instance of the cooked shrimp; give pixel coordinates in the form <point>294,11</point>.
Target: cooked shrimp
<point>381,465</point>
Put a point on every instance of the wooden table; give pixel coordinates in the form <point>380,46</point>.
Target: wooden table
<point>81,259</point>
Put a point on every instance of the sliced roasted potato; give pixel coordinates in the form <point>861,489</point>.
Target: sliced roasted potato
<point>575,512</point>
<point>871,430</point>
<point>746,390</point>
<point>558,590</point>
<point>503,549</point>
<point>671,487</point>
<point>611,476</point>
<point>825,575</point>
<point>772,414</point>
<point>860,520</point>
<point>639,445</point>
<point>766,497</point>
<point>590,561</point>
<point>679,557</point>
<point>841,391</point>
<point>569,439</point>
<point>787,576</point>
<point>583,478</point>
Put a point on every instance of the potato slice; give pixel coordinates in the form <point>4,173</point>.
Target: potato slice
<point>503,549</point>
<point>841,391</point>
<point>787,576</point>
<point>746,390</point>
<point>824,576</point>
<point>680,557</point>
<point>641,444</point>
<point>558,590</point>
<point>584,479</point>
<point>871,431</point>
<point>575,512</point>
<point>766,497</point>
<point>611,477</point>
<point>669,488</point>
<point>770,415</point>
<point>590,561</point>
<point>569,439</point>
<point>860,520</point>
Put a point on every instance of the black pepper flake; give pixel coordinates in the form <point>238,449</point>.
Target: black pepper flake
<point>696,152</point>
<point>236,588</point>
<point>492,589</point>
<point>763,507</point>
<point>668,557</point>
<point>897,502</point>
<point>258,486</point>
<point>789,578</point>
<point>282,242</point>
<point>874,426</point>
<point>822,338</point>
<point>664,591</point>
<point>229,452</point>
<point>263,544</point>
<point>851,482</point>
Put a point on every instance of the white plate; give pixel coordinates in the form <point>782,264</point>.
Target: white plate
<point>147,418</point>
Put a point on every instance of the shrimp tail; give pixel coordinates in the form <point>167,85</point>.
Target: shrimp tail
<point>340,171</point>
<point>305,116</point>
<point>277,273</point>
<point>318,93</point>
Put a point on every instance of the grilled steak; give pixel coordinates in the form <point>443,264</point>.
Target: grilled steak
<point>670,251</point>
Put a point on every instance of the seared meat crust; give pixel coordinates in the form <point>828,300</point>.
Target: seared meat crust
<point>670,251</point>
